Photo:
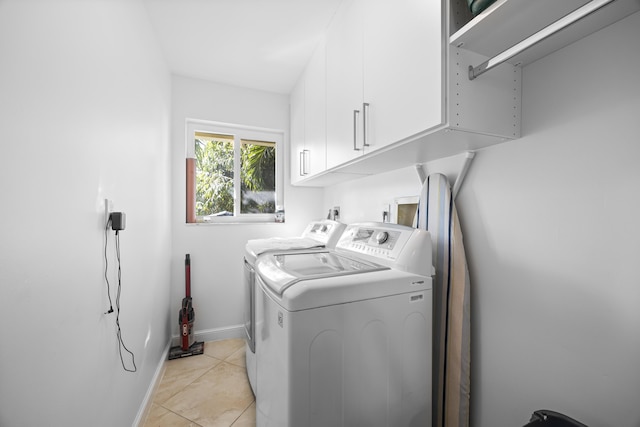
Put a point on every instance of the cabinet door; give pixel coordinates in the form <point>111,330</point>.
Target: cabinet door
<point>344,84</point>
<point>297,134</point>
<point>315,112</point>
<point>403,69</point>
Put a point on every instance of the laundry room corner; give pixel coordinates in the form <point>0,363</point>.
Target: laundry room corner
<point>217,250</point>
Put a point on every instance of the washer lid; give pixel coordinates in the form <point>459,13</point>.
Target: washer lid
<point>256,247</point>
<point>282,270</point>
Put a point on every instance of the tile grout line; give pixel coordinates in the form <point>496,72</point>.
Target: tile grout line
<point>242,413</point>
<point>208,370</point>
<point>254,399</point>
<point>190,383</point>
<point>228,360</point>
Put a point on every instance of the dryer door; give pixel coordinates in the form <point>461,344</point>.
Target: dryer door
<point>249,305</point>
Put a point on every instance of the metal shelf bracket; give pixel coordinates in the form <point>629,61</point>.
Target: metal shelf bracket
<point>463,172</point>
<point>469,155</point>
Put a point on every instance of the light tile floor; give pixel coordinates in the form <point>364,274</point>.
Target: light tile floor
<point>208,390</point>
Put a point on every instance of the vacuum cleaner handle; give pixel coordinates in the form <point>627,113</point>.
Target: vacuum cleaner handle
<point>187,275</point>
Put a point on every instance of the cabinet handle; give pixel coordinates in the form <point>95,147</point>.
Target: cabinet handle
<point>355,129</point>
<point>302,169</point>
<point>301,172</point>
<point>365,123</point>
<point>305,163</point>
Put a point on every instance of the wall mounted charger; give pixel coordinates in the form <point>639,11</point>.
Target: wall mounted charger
<point>118,221</point>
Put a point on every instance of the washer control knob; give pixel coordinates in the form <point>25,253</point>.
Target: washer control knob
<point>382,237</point>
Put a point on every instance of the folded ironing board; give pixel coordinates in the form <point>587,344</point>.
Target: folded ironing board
<point>451,320</point>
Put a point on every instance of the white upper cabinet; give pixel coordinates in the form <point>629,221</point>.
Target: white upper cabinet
<point>394,86</point>
<point>315,113</point>
<point>402,70</point>
<point>398,86</point>
<point>384,75</point>
<point>308,120</point>
<point>297,133</point>
<point>344,84</point>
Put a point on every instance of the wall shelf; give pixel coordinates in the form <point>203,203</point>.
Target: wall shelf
<point>507,22</point>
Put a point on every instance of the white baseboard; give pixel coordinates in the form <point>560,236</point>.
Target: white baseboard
<point>145,407</point>
<point>217,334</point>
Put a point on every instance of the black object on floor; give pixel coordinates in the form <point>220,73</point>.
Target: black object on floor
<point>546,418</point>
<point>177,352</point>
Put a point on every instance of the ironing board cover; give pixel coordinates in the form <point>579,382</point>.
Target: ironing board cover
<point>451,320</point>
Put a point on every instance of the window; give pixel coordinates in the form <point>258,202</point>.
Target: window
<point>233,173</point>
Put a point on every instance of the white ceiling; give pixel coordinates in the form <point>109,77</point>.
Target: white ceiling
<point>259,44</point>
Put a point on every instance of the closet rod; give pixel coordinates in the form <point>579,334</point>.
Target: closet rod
<point>546,32</point>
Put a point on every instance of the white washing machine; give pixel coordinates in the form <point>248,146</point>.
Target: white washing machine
<point>318,235</point>
<point>344,336</point>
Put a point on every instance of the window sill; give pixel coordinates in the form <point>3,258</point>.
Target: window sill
<point>233,221</point>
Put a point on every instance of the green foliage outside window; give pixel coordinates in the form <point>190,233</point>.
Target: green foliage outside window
<point>215,176</point>
<point>258,177</point>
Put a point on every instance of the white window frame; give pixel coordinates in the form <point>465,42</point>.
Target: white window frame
<point>239,132</point>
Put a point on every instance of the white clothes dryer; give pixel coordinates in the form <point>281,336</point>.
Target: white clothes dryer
<point>344,337</point>
<point>318,235</point>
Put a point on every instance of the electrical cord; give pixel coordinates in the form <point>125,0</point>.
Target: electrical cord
<point>106,265</point>
<point>121,343</point>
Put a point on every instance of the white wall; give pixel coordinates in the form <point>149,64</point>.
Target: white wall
<point>551,221</point>
<point>552,236</point>
<point>365,199</point>
<point>84,116</point>
<point>217,250</point>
